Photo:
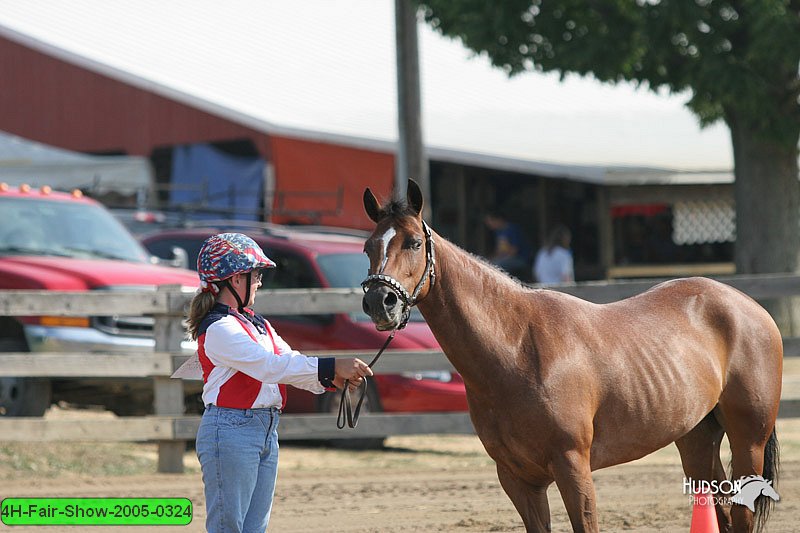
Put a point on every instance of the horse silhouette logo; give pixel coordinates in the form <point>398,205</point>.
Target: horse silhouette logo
<point>751,487</point>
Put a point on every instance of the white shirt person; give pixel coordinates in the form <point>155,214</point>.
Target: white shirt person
<point>554,263</point>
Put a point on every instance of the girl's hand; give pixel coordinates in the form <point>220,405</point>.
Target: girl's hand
<point>353,386</point>
<point>353,369</point>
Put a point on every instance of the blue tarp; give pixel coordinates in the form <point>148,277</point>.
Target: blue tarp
<point>229,186</point>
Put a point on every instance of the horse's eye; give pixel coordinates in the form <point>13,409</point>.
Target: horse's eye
<point>416,244</point>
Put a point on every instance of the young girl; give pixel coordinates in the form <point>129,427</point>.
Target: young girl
<point>243,360</point>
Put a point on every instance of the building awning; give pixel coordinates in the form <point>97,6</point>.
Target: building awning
<point>26,161</point>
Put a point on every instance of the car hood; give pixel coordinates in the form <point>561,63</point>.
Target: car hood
<point>415,335</point>
<point>60,273</point>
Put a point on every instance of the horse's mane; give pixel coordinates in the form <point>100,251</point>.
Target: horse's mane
<point>485,263</point>
<point>396,209</point>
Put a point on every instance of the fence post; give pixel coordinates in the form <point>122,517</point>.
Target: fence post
<point>168,392</point>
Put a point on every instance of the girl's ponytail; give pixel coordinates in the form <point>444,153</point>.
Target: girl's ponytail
<point>199,307</point>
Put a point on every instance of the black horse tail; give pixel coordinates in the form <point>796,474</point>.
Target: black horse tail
<point>764,504</point>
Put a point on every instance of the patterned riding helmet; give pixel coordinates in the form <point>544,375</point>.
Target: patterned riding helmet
<point>226,254</point>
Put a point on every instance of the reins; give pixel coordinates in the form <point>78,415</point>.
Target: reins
<point>346,413</point>
<point>345,407</point>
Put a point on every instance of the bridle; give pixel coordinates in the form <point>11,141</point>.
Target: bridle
<point>409,301</point>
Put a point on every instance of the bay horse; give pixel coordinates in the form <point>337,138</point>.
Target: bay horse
<point>558,387</point>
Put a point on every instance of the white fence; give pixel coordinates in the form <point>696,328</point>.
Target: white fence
<point>171,429</point>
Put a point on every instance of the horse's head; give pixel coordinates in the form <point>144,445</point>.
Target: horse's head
<point>401,259</point>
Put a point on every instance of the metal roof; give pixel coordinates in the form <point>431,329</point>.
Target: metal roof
<point>325,70</point>
<point>26,161</point>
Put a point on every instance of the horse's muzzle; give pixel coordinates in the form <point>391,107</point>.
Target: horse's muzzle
<point>383,306</point>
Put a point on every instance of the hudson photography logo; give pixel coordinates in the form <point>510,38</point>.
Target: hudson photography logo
<point>744,491</point>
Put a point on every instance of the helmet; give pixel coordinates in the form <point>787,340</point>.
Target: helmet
<point>226,254</point>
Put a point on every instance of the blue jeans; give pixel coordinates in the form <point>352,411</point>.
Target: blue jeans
<point>238,452</point>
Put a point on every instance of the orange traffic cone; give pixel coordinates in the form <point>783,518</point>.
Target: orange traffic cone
<point>704,517</point>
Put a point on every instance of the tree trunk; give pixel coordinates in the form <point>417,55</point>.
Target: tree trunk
<point>767,193</point>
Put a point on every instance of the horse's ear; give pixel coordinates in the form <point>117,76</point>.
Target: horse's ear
<point>371,205</point>
<point>414,195</point>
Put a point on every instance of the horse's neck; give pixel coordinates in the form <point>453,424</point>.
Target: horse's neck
<point>468,309</point>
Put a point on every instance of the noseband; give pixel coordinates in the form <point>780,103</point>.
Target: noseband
<point>409,300</point>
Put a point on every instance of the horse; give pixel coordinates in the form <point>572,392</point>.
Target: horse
<point>558,387</point>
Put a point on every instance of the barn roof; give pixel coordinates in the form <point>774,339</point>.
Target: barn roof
<point>325,70</point>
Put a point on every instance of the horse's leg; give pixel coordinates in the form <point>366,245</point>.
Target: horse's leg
<point>749,428</point>
<point>699,451</point>
<point>529,500</point>
<point>573,474</point>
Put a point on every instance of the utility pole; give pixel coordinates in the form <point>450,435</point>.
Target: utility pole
<point>410,160</point>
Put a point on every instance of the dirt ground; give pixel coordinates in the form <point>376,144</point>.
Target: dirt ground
<point>417,484</point>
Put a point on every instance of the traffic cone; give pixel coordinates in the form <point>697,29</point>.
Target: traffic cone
<point>704,516</point>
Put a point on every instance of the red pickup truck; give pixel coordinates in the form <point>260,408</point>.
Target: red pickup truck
<point>66,242</point>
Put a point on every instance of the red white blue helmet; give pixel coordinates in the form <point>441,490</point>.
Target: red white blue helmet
<point>226,254</point>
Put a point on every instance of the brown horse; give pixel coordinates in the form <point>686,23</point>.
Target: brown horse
<point>559,387</point>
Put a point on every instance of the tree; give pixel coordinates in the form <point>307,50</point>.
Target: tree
<point>738,58</point>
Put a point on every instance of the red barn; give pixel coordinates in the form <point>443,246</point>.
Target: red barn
<point>310,89</point>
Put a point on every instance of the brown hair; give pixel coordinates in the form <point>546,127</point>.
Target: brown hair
<point>199,307</point>
<point>558,237</point>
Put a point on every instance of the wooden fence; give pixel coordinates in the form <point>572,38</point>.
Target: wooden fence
<point>170,428</point>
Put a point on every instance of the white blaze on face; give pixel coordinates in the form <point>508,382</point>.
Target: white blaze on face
<point>387,237</point>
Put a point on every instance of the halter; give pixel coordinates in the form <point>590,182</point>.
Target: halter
<point>409,300</point>
<point>346,414</point>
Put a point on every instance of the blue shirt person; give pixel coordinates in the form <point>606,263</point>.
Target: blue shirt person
<point>511,250</point>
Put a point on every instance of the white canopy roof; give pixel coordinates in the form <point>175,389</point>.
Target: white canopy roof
<point>25,161</point>
<point>325,69</point>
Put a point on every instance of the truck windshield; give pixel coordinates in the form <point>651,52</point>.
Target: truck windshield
<point>344,271</point>
<point>64,229</point>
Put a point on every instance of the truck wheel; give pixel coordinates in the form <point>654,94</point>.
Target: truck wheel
<point>22,396</point>
<point>329,403</point>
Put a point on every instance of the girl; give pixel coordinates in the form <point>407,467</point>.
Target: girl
<point>243,360</point>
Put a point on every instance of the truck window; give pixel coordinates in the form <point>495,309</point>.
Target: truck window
<point>55,228</point>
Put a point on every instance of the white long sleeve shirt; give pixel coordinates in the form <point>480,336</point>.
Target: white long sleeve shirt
<point>242,366</point>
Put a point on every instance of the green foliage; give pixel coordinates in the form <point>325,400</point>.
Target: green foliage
<point>739,58</point>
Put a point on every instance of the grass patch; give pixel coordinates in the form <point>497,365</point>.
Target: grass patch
<point>52,459</point>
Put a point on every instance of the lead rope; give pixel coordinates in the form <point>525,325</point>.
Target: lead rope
<point>345,408</point>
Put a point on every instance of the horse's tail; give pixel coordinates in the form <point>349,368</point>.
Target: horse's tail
<point>764,504</point>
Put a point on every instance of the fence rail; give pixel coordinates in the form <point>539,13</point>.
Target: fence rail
<point>171,299</point>
<point>171,429</point>
<point>181,428</point>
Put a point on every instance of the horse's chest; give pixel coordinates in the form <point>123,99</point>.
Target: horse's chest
<point>513,442</point>
<point>524,461</point>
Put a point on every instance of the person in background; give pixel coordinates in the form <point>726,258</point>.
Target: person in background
<point>511,250</point>
<point>243,361</point>
<point>554,263</point>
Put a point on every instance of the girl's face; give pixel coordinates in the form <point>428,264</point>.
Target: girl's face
<point>255,283</point>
